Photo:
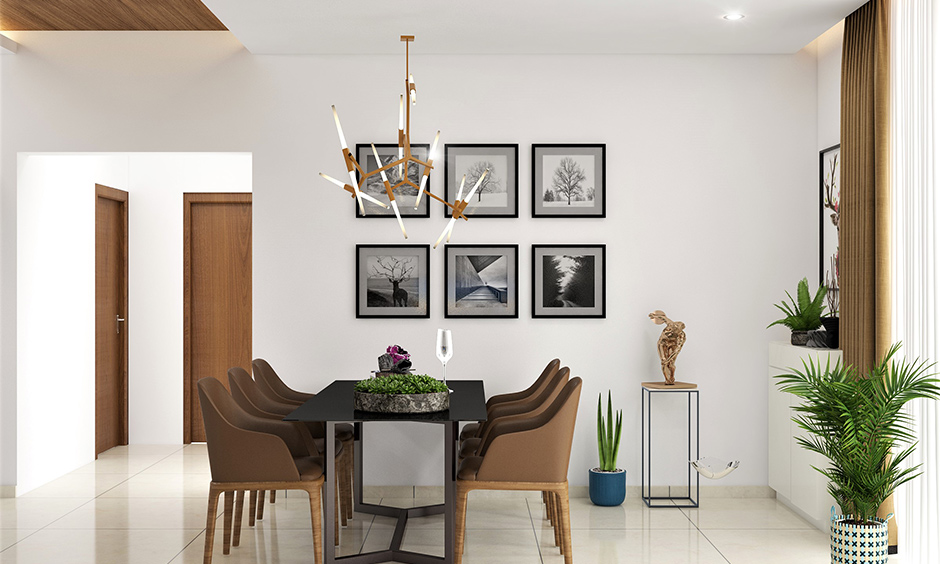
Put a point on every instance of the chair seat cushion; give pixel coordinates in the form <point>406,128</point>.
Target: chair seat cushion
<point>469,447</point>
<point>309,467</point>
<point>470,430</point>
<point>321,446</point>
<point>469,467</point>
<point>344,431</point>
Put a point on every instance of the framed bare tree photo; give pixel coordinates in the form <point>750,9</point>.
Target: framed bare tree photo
<point>569,281</point>
<point>392,281</point>
<point>569,180</point>
<point>405,195</point>
<point>498,194</point>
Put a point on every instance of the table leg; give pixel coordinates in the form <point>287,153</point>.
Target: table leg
<point>450,489</point>
<point>329,495</point>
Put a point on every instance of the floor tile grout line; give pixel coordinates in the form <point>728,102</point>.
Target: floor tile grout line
<point>178,554</point>
<point>701,532</point>
<point>534,533</point>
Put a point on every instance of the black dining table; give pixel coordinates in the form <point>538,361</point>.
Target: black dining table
<point>334,404</point>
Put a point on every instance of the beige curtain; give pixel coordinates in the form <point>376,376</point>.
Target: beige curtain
<point>864,236</point>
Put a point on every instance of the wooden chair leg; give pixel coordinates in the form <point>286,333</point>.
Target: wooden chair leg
<point>260,514</point>
<point>239,506</point>
<point>316,524</point>
<point>565,524</point>
<point>211,511</point>
<point>336,512</point>
<point>272,495</point>
<point>556,521</point>
<point>341,487</point>
<point>347,480</point>
<point>461,525</point>
<point>227,519</point>
<point>252,507</point>
<point>549,507</point>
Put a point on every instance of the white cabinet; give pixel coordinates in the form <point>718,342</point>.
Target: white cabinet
<point>790,467</point>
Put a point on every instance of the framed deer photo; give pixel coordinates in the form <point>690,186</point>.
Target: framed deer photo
<point>569,181</point>
<point>392,281</point>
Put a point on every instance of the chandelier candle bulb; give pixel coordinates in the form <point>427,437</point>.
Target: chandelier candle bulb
<point>449,226</point>
<point>424,180</point>
<point>401,131</point>
<point>350,189</point>
<point>388,191</point>
<point>339,129</point>
<point>412,89</point>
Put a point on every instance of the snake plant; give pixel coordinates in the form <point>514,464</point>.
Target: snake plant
<point>608,437</point>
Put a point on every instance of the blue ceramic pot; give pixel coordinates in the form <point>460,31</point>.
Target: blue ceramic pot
<point>607,488</point>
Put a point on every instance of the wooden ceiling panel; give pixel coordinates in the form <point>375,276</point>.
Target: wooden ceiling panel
<point>107,15</point>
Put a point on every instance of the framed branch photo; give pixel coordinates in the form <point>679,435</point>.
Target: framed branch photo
<point>481,281</point>
<point>498,194</point>
<point>569,180</point>
<point>569,281</point>
<point>404,195</point>
<point>392,281</point>
<point>829,198</point>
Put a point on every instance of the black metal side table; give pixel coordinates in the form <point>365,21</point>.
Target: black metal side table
<point>648,390</point>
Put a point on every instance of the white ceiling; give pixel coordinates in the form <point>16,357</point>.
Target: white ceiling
<point>528,26</point>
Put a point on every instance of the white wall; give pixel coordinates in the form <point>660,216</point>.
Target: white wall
<point>829,85</point>
<point>711,183</point>
<point>56,297</point>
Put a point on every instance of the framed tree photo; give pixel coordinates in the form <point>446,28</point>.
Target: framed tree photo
<point>498,194</point>
<point>405,195</point>
<point>481,281</point>
<point>392,281</point>
<point>829,198</point>
<point>569,180</point>
<point>569,281</point>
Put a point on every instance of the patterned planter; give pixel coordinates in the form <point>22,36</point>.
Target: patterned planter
<point>402,403</point>
<point>852,543</point>
<point>799,338</point>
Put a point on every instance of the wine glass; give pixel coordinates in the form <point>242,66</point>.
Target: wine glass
<point>445,350</point>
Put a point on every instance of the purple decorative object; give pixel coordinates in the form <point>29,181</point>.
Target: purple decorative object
<point>395,360</point>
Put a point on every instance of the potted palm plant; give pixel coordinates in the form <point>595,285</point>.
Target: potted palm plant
<point>802,314</point>
<point>856,420</point>
<point>607,483</point>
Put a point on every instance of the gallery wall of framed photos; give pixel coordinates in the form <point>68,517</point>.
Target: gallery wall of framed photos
<point>567,279</point>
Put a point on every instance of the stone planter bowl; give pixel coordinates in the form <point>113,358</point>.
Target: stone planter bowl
<point>402,403</point>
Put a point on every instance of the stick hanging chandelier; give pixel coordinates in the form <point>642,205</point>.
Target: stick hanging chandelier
<point>405,158</point>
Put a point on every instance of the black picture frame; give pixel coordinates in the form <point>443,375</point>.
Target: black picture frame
<point>506,175</point>
<point>828,232</point>
<point>378,301</point>
<point>375,188</point>
<point>571,309</point>
<point>492,301</point>
<point>543,159</point>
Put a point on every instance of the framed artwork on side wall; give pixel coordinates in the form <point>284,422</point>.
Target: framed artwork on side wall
<point>569,180</point>
<point>829,198</point>
<point>404,195</point>
<point>392,281</point>
<point>569,281</point>
<point>498,194</point>
<point>481,281</point>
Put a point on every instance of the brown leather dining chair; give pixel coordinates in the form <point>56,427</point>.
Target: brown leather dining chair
<point>247,392</point>
<point>254,453</point>
<point>529,454</point>
<point>474,429</point>
<point>275,389</point>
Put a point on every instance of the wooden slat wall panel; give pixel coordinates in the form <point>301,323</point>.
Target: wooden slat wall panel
<point>107,15</point>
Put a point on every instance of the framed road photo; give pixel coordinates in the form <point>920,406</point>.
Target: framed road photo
<point>392,281</point>
<point>498,194</point>
<point>481,281</point>
<point>569,181</point>
<point>404,195</point>
<point>569,281</point>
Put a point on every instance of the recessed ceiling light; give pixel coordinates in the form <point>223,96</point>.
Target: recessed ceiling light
<point>733,17</point>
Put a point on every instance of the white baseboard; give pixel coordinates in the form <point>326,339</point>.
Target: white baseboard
<point>437,492</point>
<point>7,491</point>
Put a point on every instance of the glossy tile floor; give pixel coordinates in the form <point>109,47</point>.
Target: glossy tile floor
<point>147,504</point>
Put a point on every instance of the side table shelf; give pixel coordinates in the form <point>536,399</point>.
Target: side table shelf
<point>648,390</point>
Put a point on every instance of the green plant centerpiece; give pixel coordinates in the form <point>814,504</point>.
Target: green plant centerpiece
<point>607,483</point>
<point>394,389</point>
<point>855,420</point>
<point>803,314</point>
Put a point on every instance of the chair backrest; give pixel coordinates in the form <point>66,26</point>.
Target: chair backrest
<point>535,403</point>
<point>543,380</point>
<point>246,390</point>
<point>236,452</point>
<point>536,448</point>
<point>269,380</point>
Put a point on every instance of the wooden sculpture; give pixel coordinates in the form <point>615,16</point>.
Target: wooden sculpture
<point>669,344</point>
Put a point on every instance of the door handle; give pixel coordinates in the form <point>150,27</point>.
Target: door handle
<point>117,322</point>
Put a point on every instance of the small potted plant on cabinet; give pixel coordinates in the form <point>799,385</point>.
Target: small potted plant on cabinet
<point>855,420</point>
<point>802,314</point>
<point>607,483</point>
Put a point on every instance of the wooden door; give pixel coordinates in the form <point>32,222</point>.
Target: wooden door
<point>216,295</point>
<point>110,318</point>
